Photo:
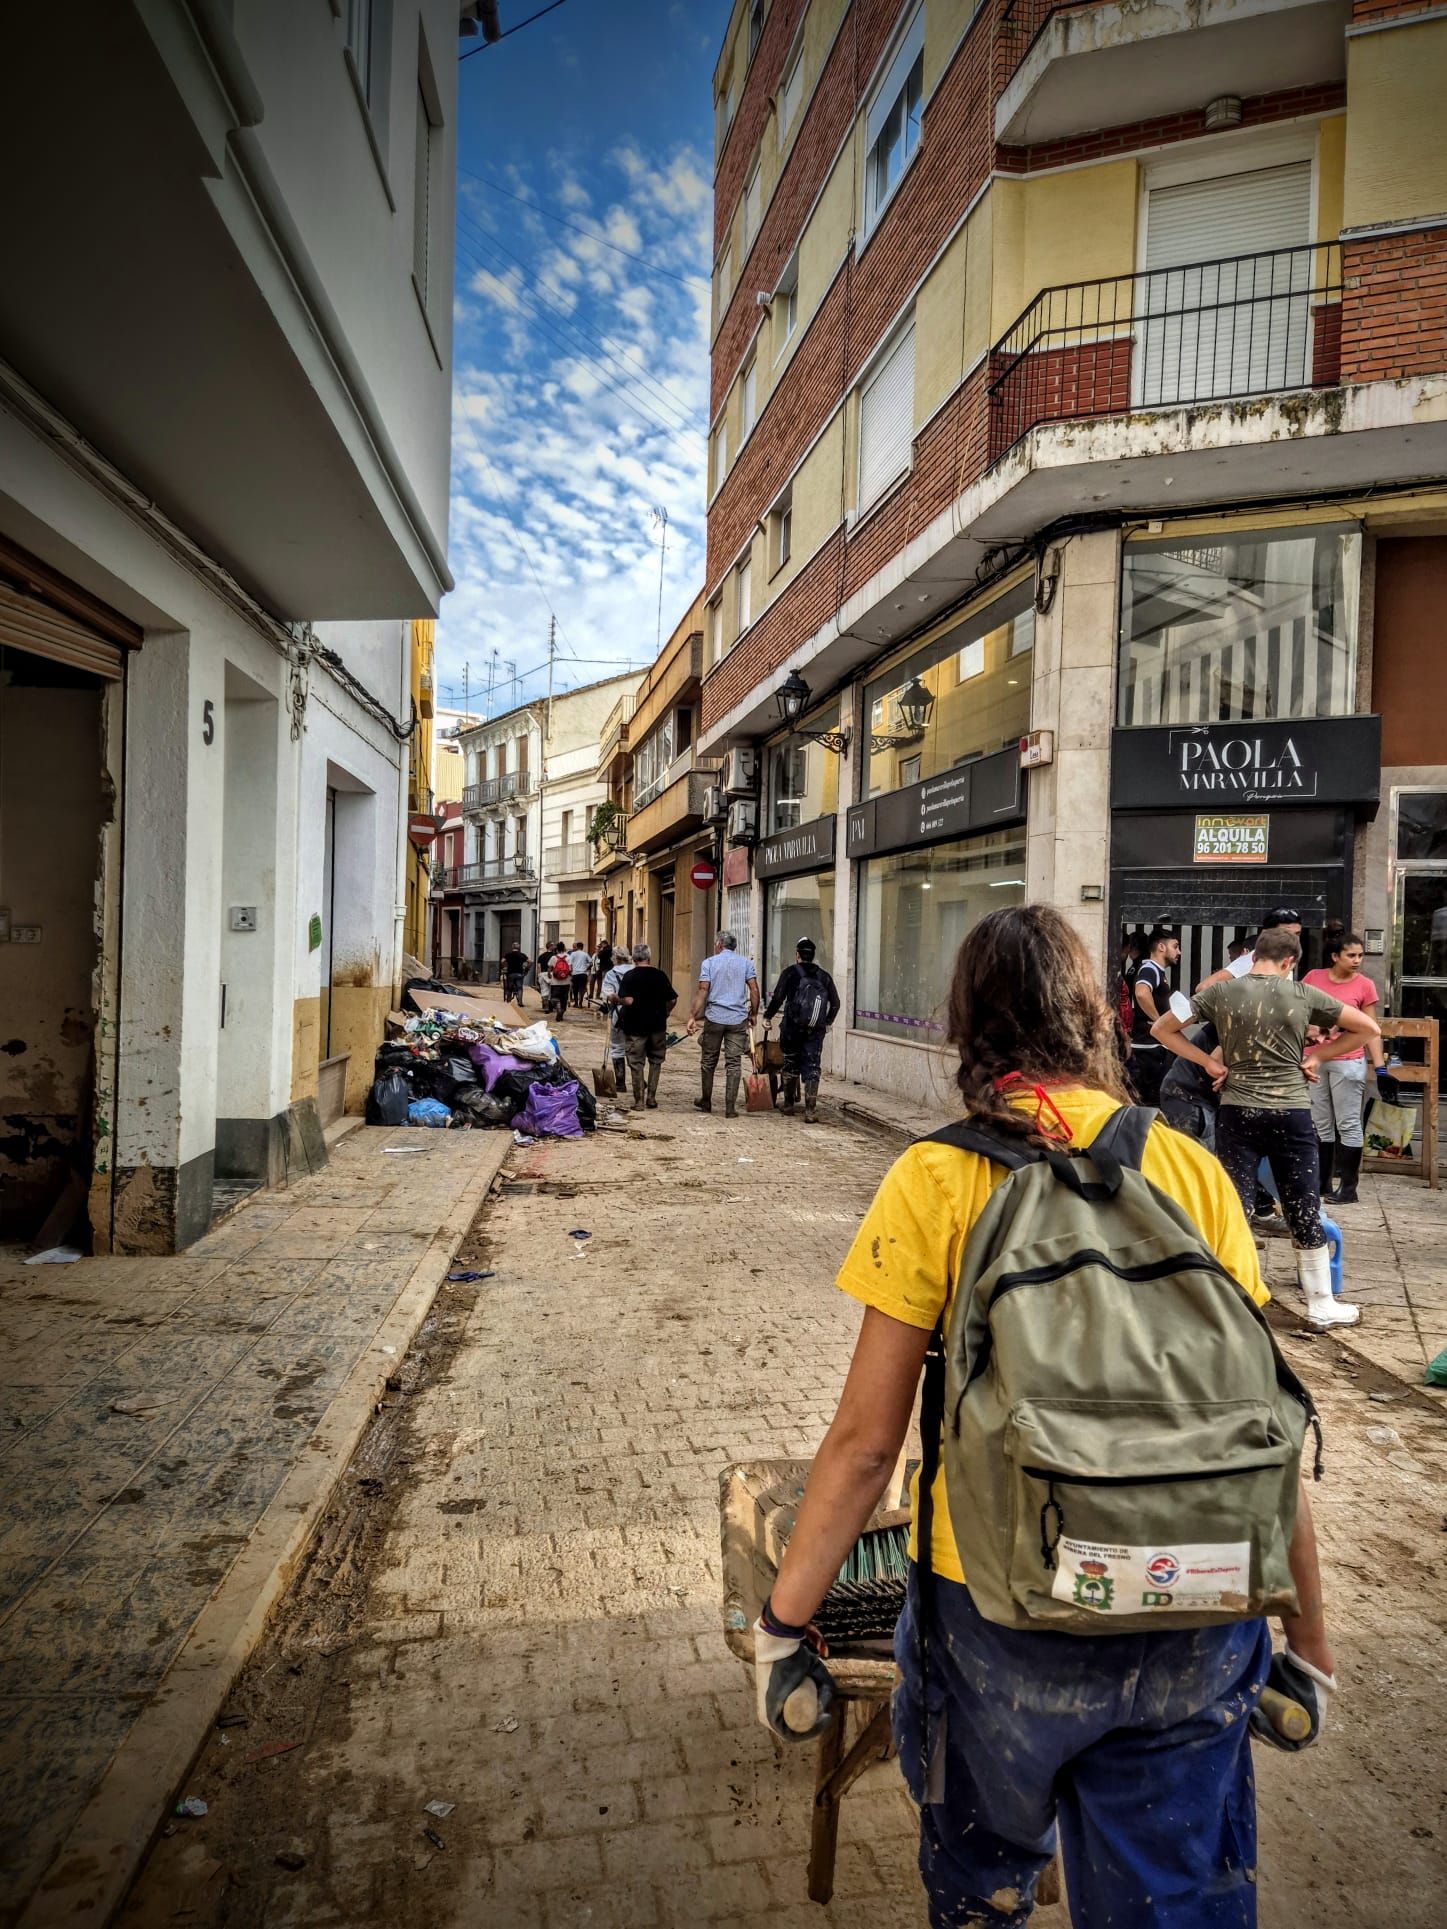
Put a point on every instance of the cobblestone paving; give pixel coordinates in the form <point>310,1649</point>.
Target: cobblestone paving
<point>150,1409</point>
<point>541,1644</point>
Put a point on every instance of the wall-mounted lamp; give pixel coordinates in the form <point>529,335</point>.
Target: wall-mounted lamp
<point>792,700</point>
<point>1224,111</point>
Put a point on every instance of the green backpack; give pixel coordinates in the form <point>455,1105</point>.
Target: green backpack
<point>1121,1437</point>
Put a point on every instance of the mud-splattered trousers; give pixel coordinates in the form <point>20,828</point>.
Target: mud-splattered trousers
<point>1247,1134</point>
<point>803,1051</point>
<point>1136,1745</point>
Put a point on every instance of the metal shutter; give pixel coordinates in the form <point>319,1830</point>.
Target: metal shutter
<point>26,623</point>
<point>886,420</point>
<point>1215,325</point>
<point>1222,895</point>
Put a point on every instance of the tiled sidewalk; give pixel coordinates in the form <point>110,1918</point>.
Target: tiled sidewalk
<point>151,1412</point>
<point>1394,1249</point>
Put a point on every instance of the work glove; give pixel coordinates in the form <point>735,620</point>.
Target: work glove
<point>791,1684</point>
<point>1388,1090</point>
<point>1298,1681</point>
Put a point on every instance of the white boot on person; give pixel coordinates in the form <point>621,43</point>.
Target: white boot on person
<point>1313,1273</point>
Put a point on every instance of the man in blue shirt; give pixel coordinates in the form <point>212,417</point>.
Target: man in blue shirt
<point>727,1001</point>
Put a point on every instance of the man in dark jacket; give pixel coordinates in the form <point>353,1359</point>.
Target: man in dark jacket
<point>809,1001</point>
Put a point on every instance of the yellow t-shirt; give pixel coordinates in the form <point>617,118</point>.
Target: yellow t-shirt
<point>906,1256</point>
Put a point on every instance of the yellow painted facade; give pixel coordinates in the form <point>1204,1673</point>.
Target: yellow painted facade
<point>1396,154</point>
<point>1077,225</point>
<point>419,785</point>
<point>306,1036</point>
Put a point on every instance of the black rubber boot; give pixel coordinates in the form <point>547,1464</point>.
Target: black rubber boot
<point>731,1092</point>
<point>705,1104</point>
<point>654,1072</point>
<point>811,1103</point>
<point>791,1091</point>
<point>1325,1159</point>
<point>1349,1163</point>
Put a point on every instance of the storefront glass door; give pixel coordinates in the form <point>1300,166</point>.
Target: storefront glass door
<point>1419,924</point>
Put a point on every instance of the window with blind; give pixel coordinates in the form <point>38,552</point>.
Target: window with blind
<point>1225,309</point>
<point>886,420</point>
<point>791,94</point>
<point>720,454</point>
<point>428,147</point>
<point>753,206</point>
<point>745,592</point>
<point>749,404</point>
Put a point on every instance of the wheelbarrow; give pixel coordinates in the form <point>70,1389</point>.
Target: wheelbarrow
<point>758,1503</point>
<point>758,1500</point>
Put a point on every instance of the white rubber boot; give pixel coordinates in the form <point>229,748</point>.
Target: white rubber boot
<point>1313,1273</point>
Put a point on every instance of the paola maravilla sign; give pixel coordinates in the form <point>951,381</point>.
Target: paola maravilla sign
<point>1319,760</point>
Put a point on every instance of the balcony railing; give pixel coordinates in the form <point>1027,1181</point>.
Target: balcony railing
<point>499,790</point>
<point>1020,27</point>
<point>495,870</point>
<point>567,860</point>
<point>1211,331</point>
<point>614,734</point>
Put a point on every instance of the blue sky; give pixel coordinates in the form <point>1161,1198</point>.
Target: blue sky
<point>580,396</point>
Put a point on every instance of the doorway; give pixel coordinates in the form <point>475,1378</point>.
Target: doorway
<point>1419,908</point>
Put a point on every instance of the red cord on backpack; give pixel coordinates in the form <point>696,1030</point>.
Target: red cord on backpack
<point>1057,1127</point>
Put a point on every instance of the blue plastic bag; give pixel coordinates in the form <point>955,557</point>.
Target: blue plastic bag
<point>551,1111</point>
<point>428,1111</point>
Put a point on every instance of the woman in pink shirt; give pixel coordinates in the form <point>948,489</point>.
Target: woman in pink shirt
<point>1338,1099</point>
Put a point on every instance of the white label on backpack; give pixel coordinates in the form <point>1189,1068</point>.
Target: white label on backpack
<point>1133,1580</point>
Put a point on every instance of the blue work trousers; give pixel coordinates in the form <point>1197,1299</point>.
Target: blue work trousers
<point>1135,1744</point>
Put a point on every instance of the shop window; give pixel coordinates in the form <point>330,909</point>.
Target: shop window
<point>962,696</point>
<point>892,121</point>
<point>1249,623</point>
<point>1422,826</point>
<point>915,909</point>
<point>803,776</point>
<point>794,908</point>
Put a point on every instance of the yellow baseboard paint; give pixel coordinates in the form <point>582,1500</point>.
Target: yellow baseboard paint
<point>306,1034</point>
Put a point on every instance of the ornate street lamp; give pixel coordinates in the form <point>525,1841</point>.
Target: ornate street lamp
<point>792,698</point>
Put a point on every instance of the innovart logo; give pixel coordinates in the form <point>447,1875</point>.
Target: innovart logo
<point>1163,1570</point>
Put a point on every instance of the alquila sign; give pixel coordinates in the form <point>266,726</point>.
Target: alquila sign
<point>1317,760</point>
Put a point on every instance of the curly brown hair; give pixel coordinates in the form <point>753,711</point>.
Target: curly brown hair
<point>1024,998</point>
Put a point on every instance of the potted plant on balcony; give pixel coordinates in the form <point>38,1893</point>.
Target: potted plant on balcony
<point>605,821</point>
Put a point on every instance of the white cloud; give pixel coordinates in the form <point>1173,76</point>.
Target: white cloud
<point>580,404</point>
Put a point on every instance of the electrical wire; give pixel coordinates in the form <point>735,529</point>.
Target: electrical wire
<point>508,32</point>
<point>542,286</point>
<point>565,221</point>
<point>573,337</point>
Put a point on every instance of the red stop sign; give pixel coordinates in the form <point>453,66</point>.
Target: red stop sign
<point>703,874</point>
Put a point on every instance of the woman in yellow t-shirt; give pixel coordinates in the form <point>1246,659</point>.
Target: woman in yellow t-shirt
<point>1136,1744</point>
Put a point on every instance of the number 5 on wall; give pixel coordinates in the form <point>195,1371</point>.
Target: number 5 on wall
<point>208,721</point>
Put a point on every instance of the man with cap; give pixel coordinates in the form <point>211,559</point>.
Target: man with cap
<point>1283,918</point>
<point>807,996</point>
<point>1151,994</point>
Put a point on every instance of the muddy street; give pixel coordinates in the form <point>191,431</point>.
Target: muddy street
<point>512,1609</point>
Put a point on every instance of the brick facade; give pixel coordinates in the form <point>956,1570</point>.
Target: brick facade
<point>1394,306</point>
<point>1113,143</point>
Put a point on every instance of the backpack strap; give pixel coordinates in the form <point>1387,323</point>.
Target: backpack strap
<point>1123,1136</point>
<point>967,1137</point>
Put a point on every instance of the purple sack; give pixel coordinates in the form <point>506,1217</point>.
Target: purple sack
<point>492,1064</point>
<point>550,1111</point>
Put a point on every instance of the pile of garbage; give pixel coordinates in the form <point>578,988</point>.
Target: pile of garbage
<point>453,1069</point>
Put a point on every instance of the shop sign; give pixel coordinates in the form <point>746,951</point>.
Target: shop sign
<point>1318,760</point>
<point>807,847</point>
<point>1232,840</point>
<point>980,796</point>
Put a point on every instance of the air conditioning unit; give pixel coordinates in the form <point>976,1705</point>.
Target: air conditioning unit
<point>741,772</point>
<point>743,821</point>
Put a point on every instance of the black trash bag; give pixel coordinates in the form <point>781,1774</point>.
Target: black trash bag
<point>389,1098</point>
<point>392,1056</point>
<point>409,1003</point>
<point>488,1108</point>
<point>460,1069</point>
<point>514,1085</point>
<point>449,1078</point>
<point>587,1108</point>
